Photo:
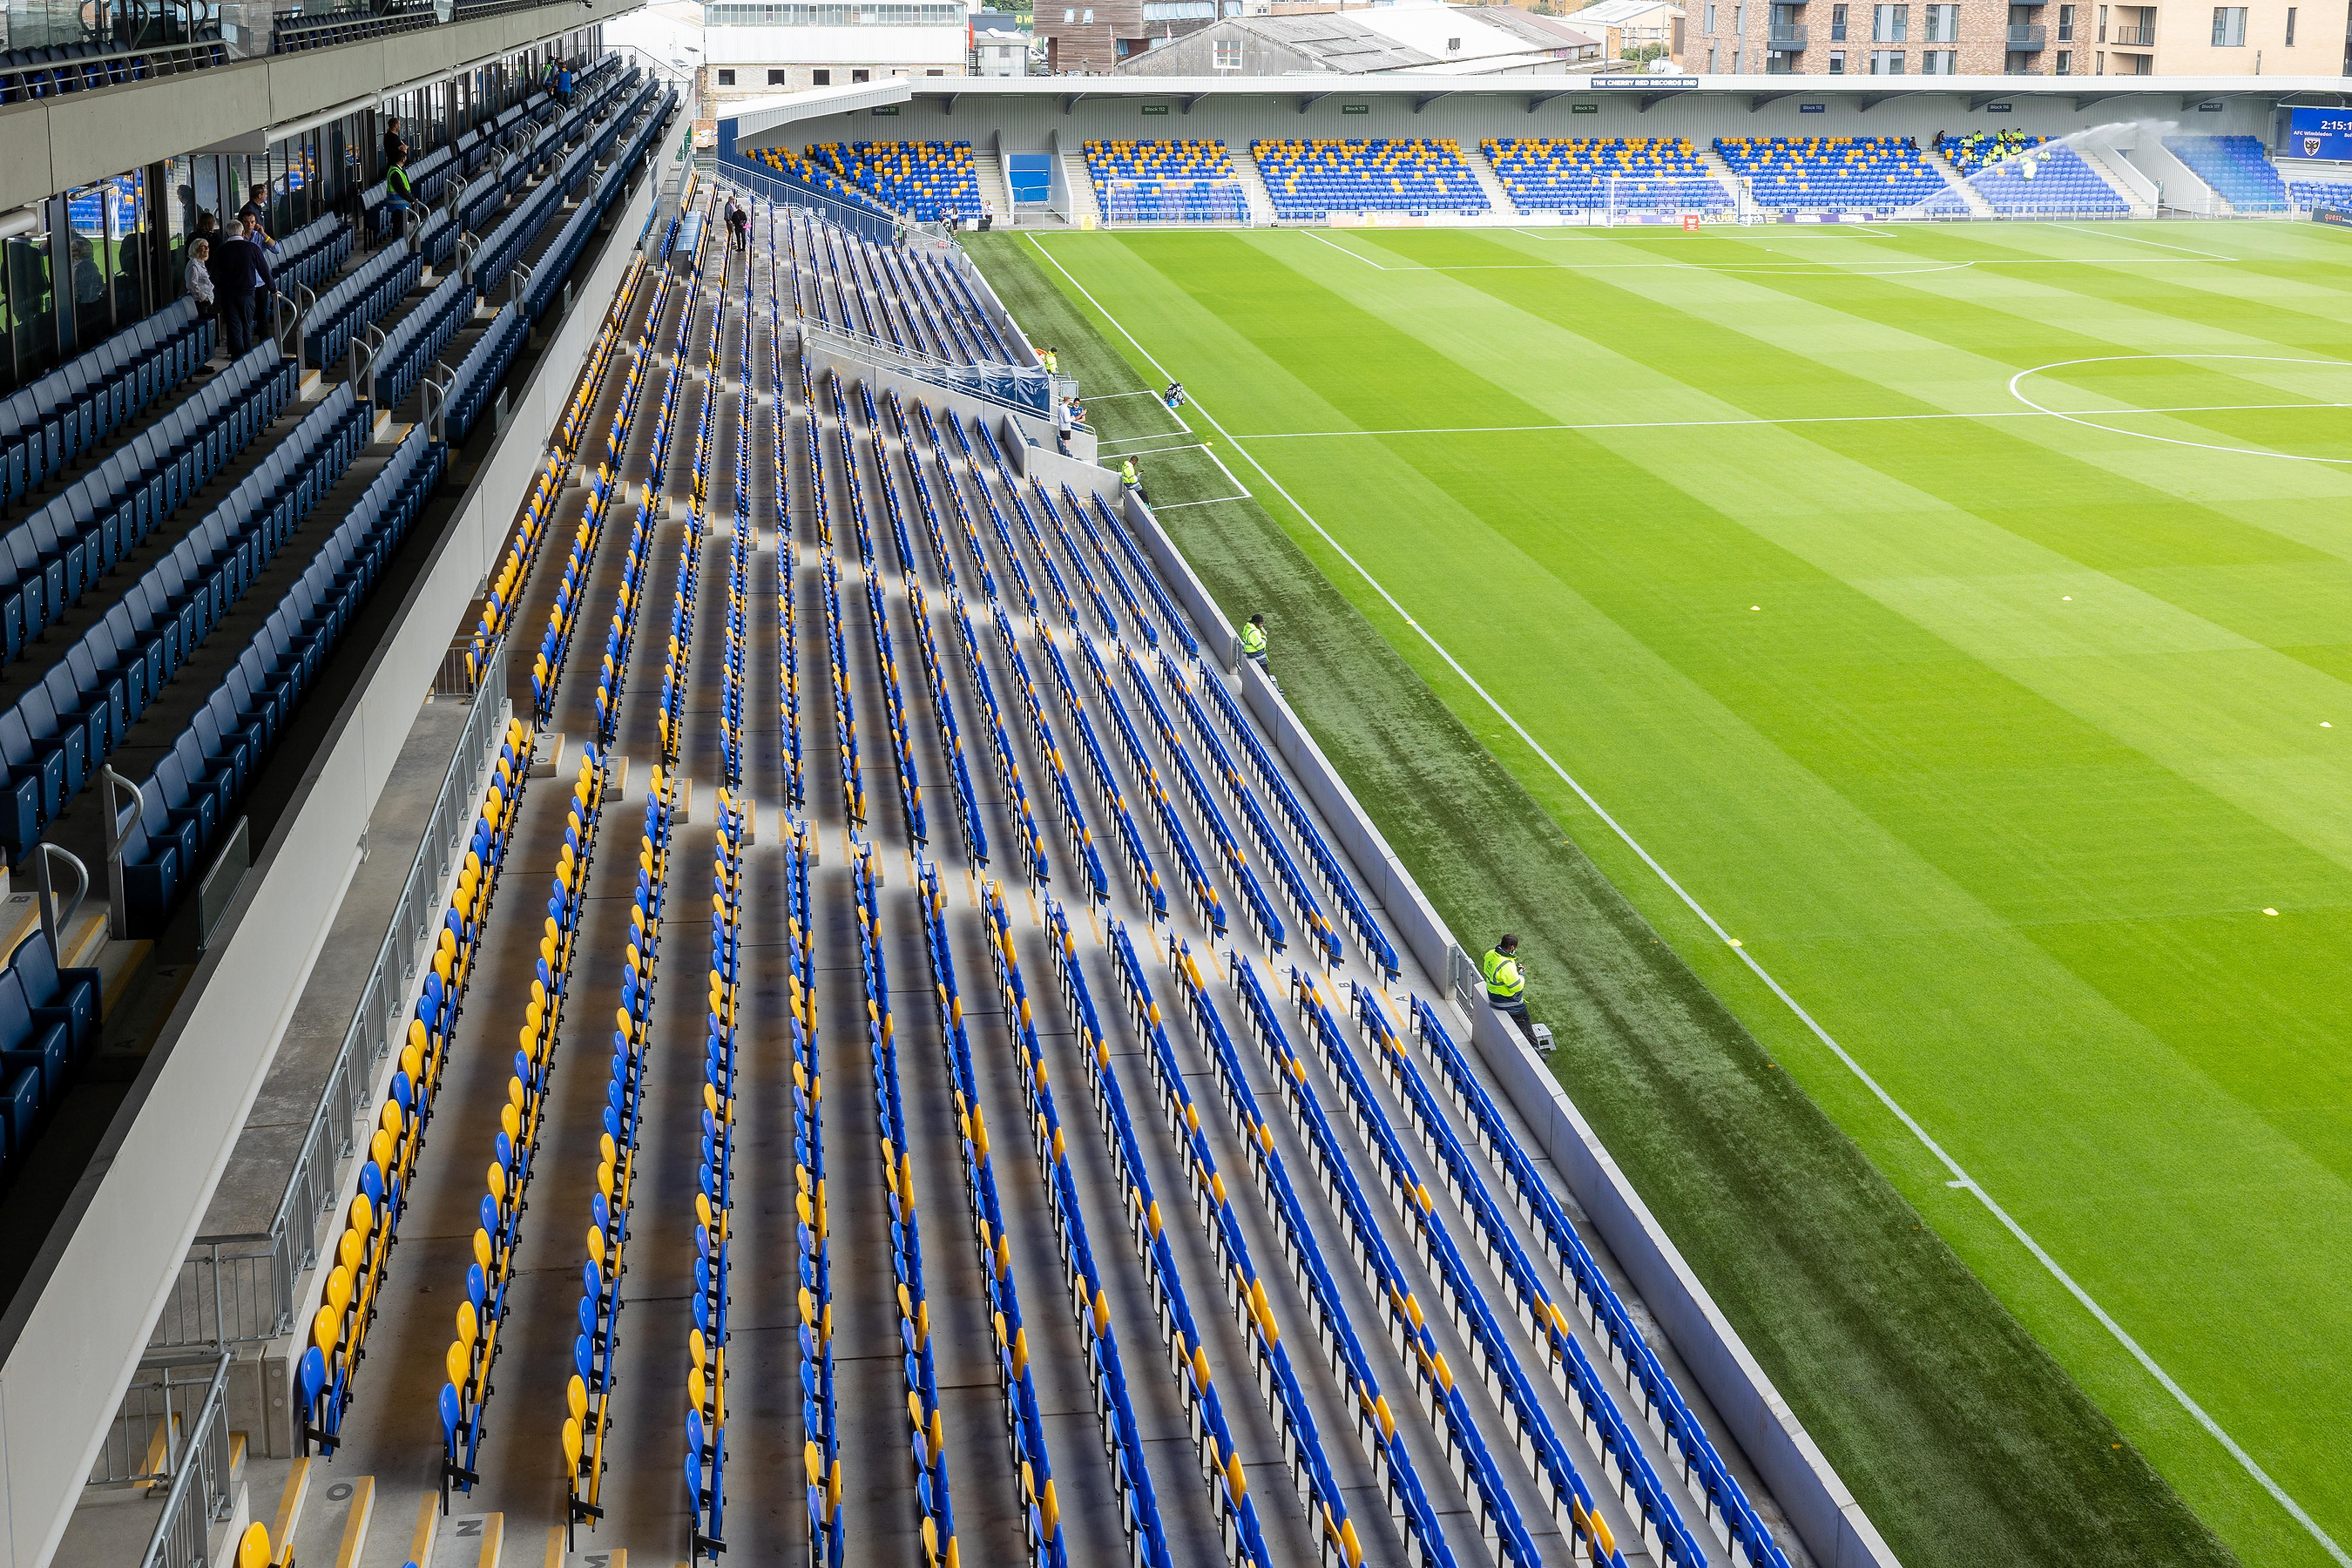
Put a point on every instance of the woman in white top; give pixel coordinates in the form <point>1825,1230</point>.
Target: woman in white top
<point>200,278</point>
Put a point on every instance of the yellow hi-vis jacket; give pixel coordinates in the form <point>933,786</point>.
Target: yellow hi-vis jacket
<point>1253,641</point>
<point>1505,982</point>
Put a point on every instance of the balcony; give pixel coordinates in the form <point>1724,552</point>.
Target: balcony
<point>2133,38</point>
<point>1786,38</point>
<point>2027,40</point>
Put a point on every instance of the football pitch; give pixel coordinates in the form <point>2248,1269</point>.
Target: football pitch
<point>1941,638</point>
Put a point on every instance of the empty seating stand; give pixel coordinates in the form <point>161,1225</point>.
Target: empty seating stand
<point>186,803</point>
<point>2239,167</point>
<point>313,253</point>
<point>795,170</point>
<point>1166,181</point>
<point>355,302</point>
<point>1607,174</point>
<point>927,180</point>
<point>1417,176</point>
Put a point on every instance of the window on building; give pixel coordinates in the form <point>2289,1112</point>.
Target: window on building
<point>2103,26</point>
<point>2102,62</point>
<point>1940,62</point>
<point>2065,24</point>
<point>1740,19</point>
<point>821,78</point>
<point>1837,24</point>
<point>2229,27</point>
<point>1228,56</point>
<point>726,77</point>
<point>1943,24</point>
<point>776,78</point>
<point>1086,17</point>
<point>1837,62</point>
<point>1710,28</point>
<point>1069,15</point>
<point>856,75</point>
<point>2289,26</point>
<point>1887,62</point>
<point>1889,25</point>
<point>2065,62</point>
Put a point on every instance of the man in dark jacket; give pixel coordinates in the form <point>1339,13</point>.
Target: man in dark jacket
<point>240,272</point>
<point>395,147</point>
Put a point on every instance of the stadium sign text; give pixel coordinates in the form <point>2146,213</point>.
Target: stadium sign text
<point>1645,83</point>
<point>1584,108</point>
<point>1812,109</point>
<point>1355,108</point>
<point>1155,109</point>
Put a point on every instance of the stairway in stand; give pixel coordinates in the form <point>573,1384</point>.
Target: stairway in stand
<point>995,195</point>
<point>1254,191</point>
<point>1498,200</point>
<point>1082,203</point>
<point>1978,205</point>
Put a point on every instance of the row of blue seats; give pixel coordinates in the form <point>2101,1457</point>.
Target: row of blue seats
<point>714,1196</point>
<point>30,74</point>
<point>186,805</point>
<point>1106,1367</point>
<point>312,253</point>
<point>934,1493</point>
<point>49,1024</point>
<point>547,274</point>
<point>416,340</point>
<point>48,561</point>
<point>504,245</point>
<point>356,302</point>
<point>1186,1353</point>
<point>475,378</point>
<point>1025,1421</point>
<point>68,411</point>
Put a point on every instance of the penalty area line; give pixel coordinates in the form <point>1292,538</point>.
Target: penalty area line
<point>2025,1239</point>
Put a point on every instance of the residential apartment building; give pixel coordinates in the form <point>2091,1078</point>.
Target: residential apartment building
<point>760,50</point>
<point>1994,38</point>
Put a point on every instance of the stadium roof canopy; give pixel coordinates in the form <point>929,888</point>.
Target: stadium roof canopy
<point>759,120</point>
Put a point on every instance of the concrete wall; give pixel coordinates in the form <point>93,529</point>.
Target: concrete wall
<point>57,144</point>
<point>78,1328</point>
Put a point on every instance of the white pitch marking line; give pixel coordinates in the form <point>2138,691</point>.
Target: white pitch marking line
<point>2041,1255</point>
<point>2032,411</point>
<point>2088,423</point>
<point>2134,239</point>
<point>1180,505</point>
<point>1366,259</point>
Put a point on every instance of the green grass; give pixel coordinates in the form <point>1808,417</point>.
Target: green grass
<point>1993,736</point>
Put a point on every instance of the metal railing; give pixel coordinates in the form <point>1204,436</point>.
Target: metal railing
<point>2134,37</point>
<point>238,1290</point>
<point>1787,38</point>
<point>159,1418</point>
<point>2028,40</point>
<point>201,1494</point>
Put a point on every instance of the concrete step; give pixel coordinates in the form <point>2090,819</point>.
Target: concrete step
<point>287,1520</point>
<point>2102,164</point>
<point>468,1541</point>
<point>333,1528</point>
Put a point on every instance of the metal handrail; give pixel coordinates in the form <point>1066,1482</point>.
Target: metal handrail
<point>238,1288</point>
<point>184,1531</point>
